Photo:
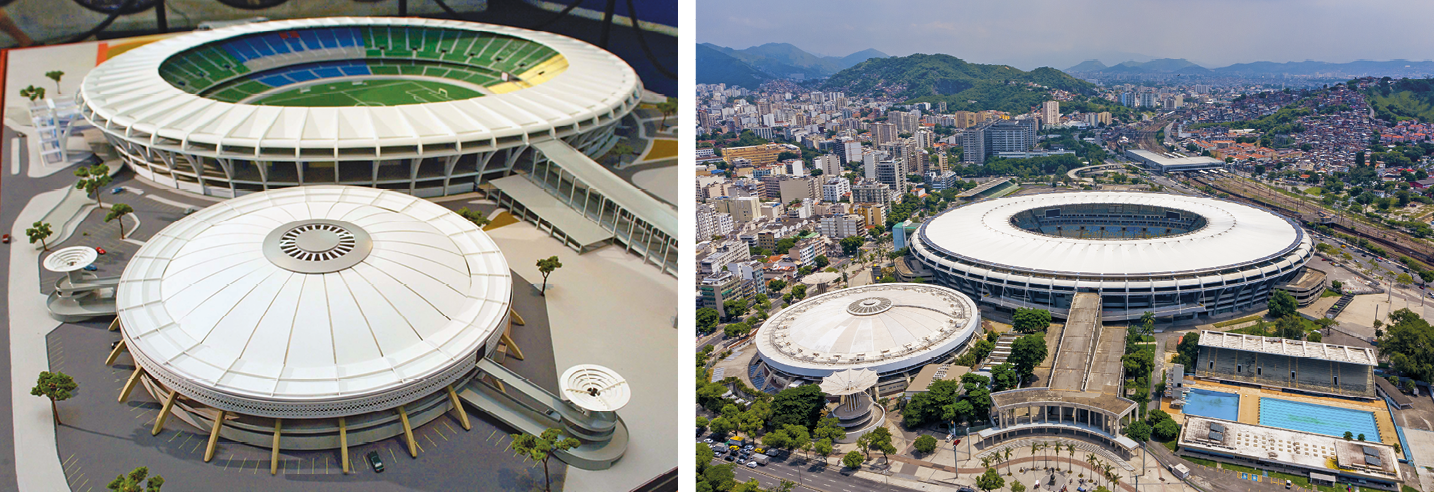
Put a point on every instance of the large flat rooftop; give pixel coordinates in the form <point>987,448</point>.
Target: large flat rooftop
<point>1289,348</point>
<point>1317,452</point>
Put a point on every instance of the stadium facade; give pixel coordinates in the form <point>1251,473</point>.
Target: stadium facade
<point>1177,256</point>
<point>1311,367</point>
<point>892,329</point>
<point>422,106</point>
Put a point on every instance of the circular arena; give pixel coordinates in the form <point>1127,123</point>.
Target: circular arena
<point>347,314</point>
<point>892,329</point>
<point>1177,256</point>
<point>428,107</point>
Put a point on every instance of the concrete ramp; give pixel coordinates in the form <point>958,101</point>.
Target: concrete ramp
<point>527,407</point>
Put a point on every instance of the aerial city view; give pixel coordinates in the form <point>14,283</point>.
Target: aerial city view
<point>1063,246</point>
<point>329,246</point>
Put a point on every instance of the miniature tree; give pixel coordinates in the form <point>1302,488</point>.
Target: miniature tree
<point>622,149</point>
<point>33,93</point>
<point>117,212</point>
<point>39,232</point>
<point>135,482</point>
<point>55,76</point>
<point>540,448</point>
<point>667,108</point>
<point>92,179</point>
<point>474,216</point>
<point>1017,486</point>
<point>56,386</point>
<point>546,267</point>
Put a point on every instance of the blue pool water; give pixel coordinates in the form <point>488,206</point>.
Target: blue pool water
<point>1213,404</point>
<point>1319,419</point>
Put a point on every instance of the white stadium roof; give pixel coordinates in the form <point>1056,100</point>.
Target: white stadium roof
<point>380,299</point>
<point>1234,234</point>
<point>129,97</point>
<point>882,327</point>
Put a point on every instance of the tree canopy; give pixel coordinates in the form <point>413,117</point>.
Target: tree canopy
<point>1027,353</point>
<point>801,405</point>
<point>1031,320</point>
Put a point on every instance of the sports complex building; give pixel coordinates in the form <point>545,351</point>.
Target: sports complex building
<point>1180,257</point>
<point>324,317</point>
<point>1296,364</point>
<point>422,106</point>
<point>892,329</point>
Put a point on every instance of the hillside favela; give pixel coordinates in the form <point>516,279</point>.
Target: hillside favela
<point>970,248</point>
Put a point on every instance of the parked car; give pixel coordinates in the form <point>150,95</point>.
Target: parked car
<point>100,250</point>
<point>751,464</point>
<point>91,268</point>
<point>117,190</point>
<point>5,238</point>
<point>375,462</point>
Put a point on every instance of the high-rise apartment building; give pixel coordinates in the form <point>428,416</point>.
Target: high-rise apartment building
<point>830,164</point>
<point>742,209</point>
<point>882,133</point>
<point>1051,112</point>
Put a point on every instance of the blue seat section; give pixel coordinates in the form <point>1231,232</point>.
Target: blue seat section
<point>313,71</point>
<point>280,42</point>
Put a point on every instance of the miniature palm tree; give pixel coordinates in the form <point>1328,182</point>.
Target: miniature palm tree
<point>1008,454</point>
<point>117,212</point>
<point>33,93</point>
<point>92,179</point>
<point>667,108</point>
<point>546,267</point>
<point>540,448</point>
<point>56,386</point>
<point>39,232</point>
<point>55,76</point>
<point>135,482</point>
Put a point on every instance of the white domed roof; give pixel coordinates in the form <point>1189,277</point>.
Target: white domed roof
<point>314,301</point>
<point>1233,234</point>
<point>882,327</point>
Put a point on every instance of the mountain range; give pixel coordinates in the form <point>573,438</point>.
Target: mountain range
<point>1172,66</point>
<point>944,78</point>
<point>751,66</point>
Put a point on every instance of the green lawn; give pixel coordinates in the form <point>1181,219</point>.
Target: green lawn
<point>370,93</point>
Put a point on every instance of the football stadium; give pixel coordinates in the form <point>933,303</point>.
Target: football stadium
<point>1176,256</point>
<point>421,106</point>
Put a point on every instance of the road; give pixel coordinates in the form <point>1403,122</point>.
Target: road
<point>810,475</point>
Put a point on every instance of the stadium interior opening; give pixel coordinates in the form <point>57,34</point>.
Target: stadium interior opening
<point>1108,221</point>
<point>361,66</point>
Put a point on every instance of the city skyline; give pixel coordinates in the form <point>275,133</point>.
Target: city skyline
<point>1272,30</point>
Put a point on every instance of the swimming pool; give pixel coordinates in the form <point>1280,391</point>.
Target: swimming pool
<point>1213,404</point>
<point>1319,419</point>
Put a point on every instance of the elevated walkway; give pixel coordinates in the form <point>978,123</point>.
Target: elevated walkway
<point>527,407</point>
<point>80,296</point>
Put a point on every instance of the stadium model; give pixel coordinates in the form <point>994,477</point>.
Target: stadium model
<point>427,107</point>
<point>326,307</point>
<point>1176,256</point>
<point>892,329</point>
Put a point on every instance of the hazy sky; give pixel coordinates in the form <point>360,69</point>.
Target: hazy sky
<point>1061,33</point>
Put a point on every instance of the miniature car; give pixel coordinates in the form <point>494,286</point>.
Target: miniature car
<point>751,464</point>
<point>375,462</point>
<point>5,238</point>
<point>91,268</point>
<point>117,190</point>
<point>707,440</point>
<point>100,250</point>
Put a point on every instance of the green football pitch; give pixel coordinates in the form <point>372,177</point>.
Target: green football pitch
<point>345,93</point>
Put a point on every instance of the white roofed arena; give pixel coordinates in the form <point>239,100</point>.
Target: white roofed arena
<point>335,316</point>
<point>892,329</point>
<point>421,106</point>
<point>1177,256</point>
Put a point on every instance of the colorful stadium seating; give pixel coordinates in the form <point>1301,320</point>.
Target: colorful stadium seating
<point>223,70</point>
